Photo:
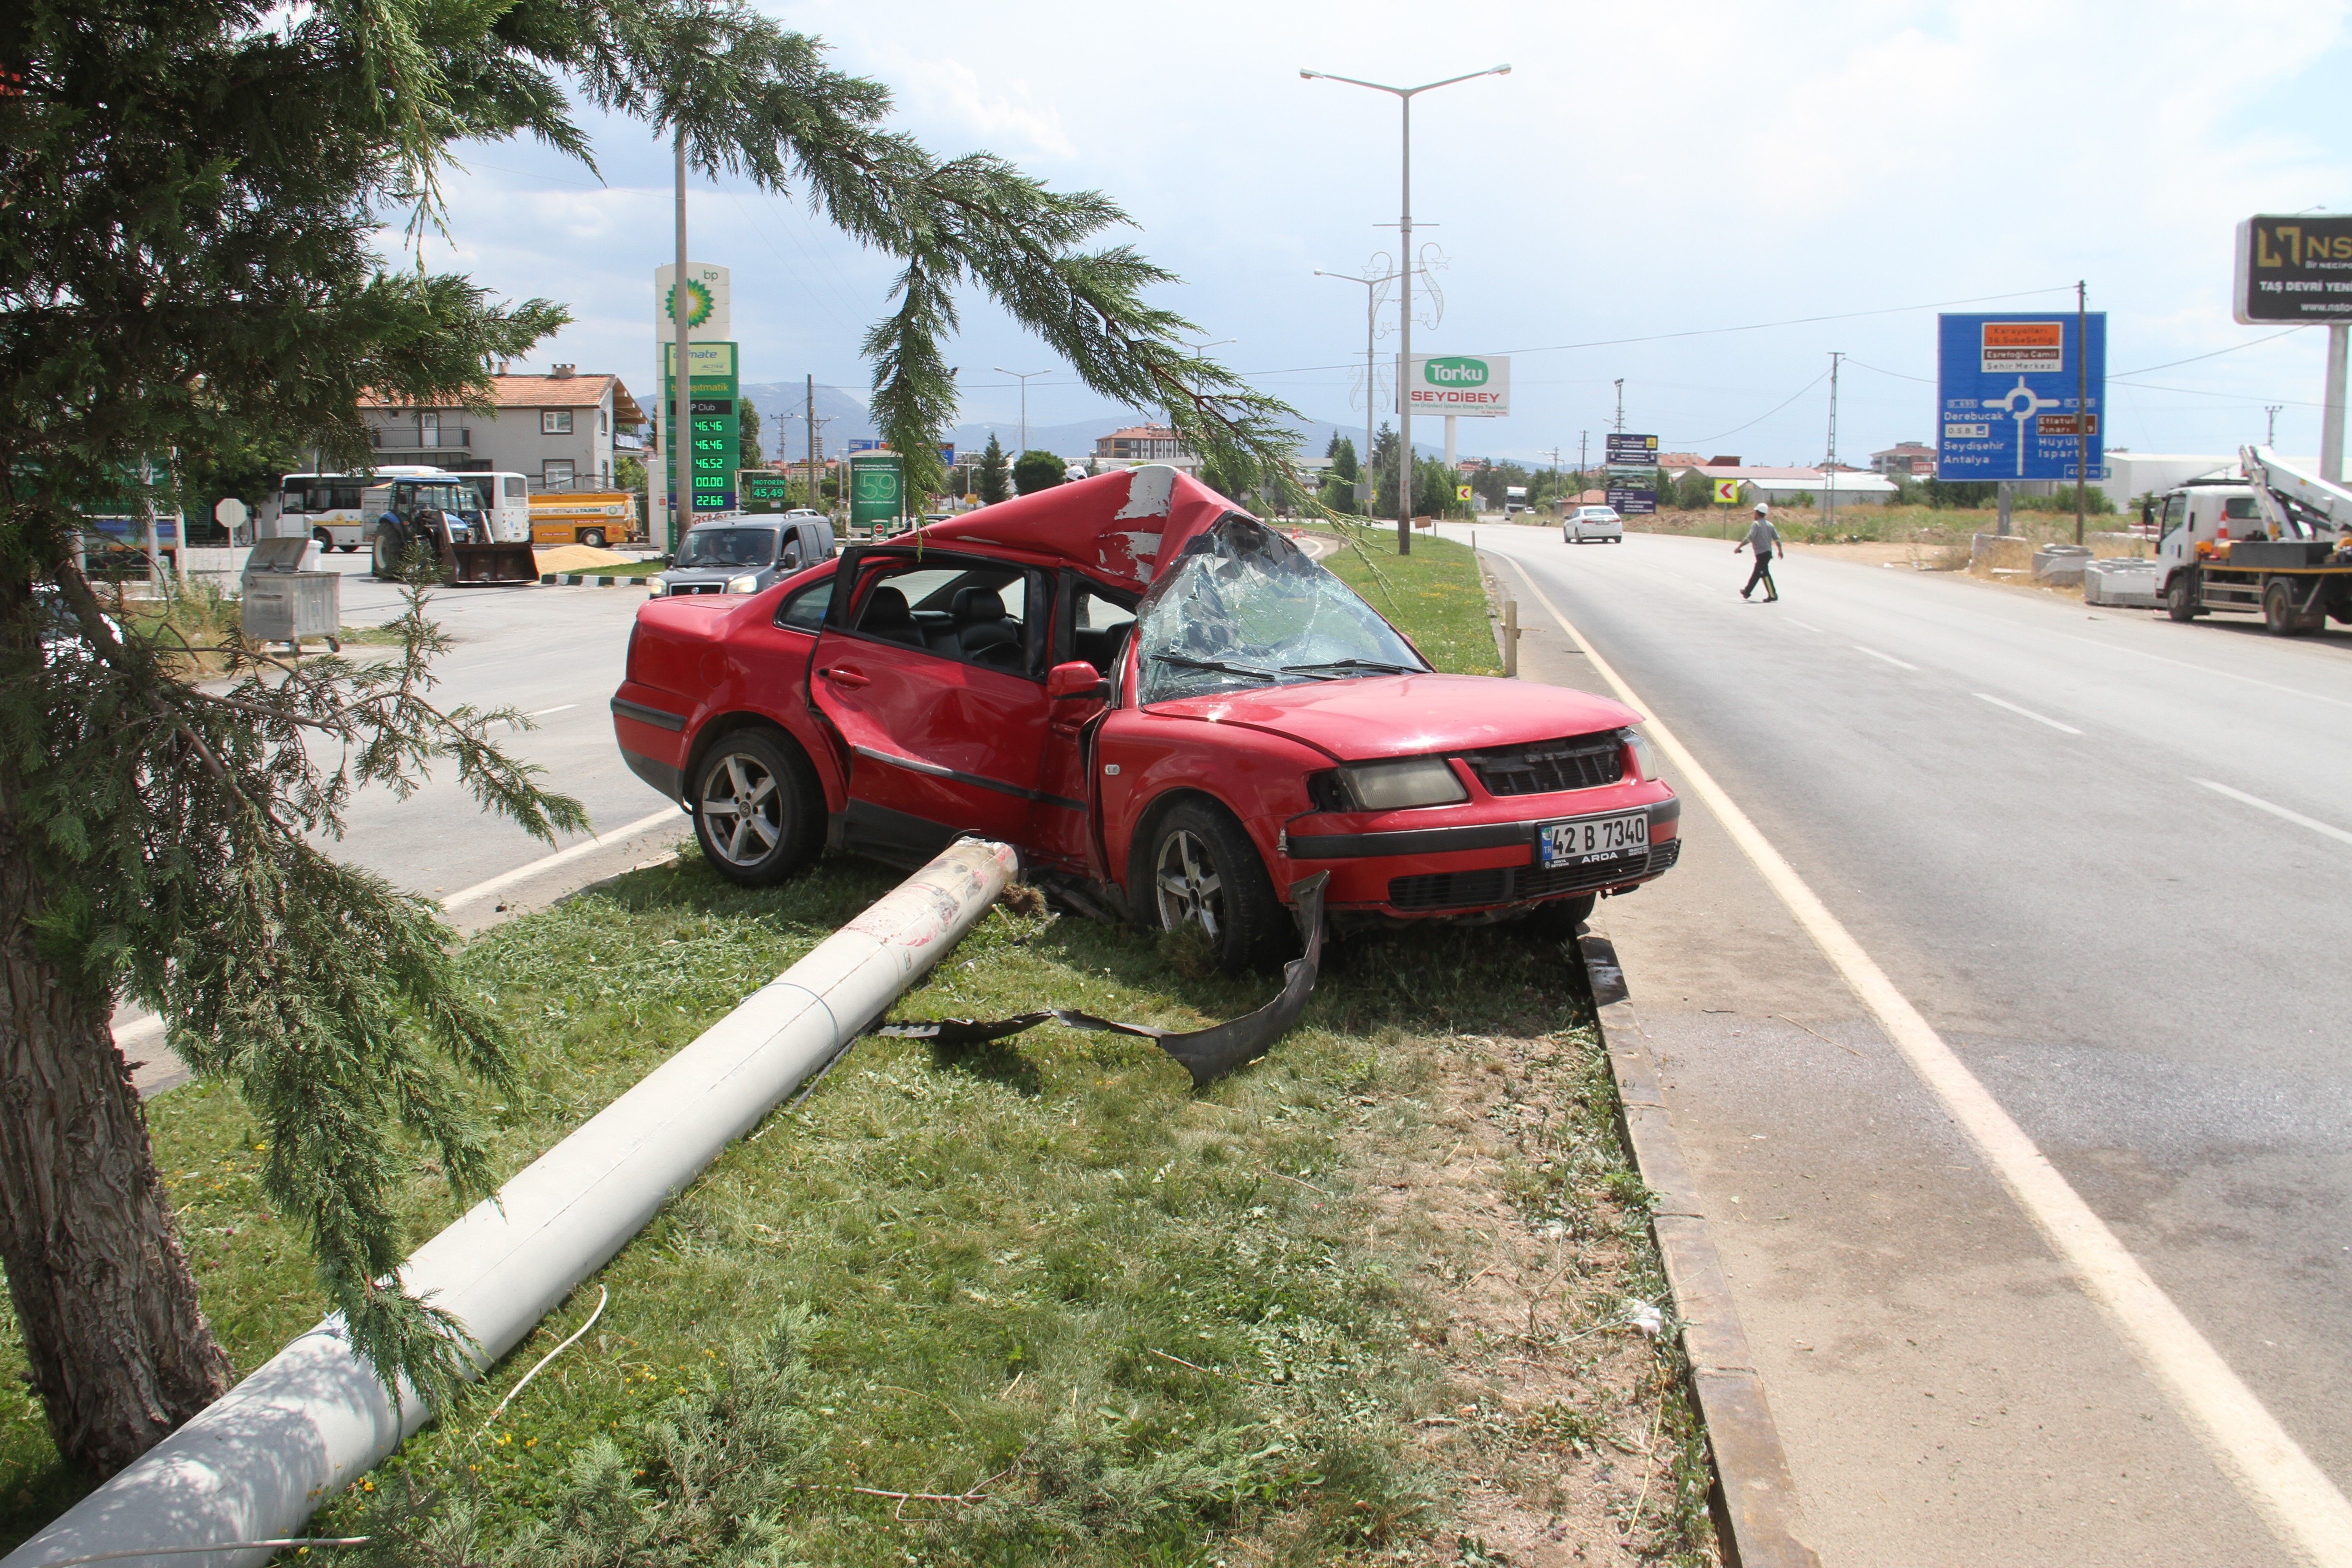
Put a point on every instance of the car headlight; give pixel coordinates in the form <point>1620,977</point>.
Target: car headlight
<point>747,584</point>
<point>1415,781</point>
<point>1645,756</point>
<point>655,585</point>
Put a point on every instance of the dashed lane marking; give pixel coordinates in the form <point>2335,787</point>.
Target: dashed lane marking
<point>2026,713</point>
<point>2280,812</point>
<point>1887,656</point>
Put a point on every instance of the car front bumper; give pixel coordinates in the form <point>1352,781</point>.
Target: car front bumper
<point>1483,859</point>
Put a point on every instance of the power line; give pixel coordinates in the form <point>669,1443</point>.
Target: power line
<point>1695,441</point>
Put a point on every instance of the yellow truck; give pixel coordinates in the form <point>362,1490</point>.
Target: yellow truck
<point>594,518</point>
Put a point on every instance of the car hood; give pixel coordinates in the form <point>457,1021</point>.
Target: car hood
<point>1407,715</point>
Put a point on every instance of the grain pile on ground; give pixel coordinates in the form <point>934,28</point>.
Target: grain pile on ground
<point>580,558</point>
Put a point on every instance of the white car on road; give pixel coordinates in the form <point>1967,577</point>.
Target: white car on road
<point>1599,522</point>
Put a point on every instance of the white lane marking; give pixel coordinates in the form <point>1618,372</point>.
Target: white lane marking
<point>543,713</point>
<point>2278,811</point>
<point>1807,625</point>
<point>1887,656</point>
<point>2026,712</point>
<point>2293,1495</point>
<point>2207,669</point>
<point>504,880</point>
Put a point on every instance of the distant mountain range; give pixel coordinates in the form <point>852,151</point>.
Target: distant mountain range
<point>842,418</point>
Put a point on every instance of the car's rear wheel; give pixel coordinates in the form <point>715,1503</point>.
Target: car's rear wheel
<point>759,813</point>
<point>594,538</point>
<point>1206,874</point>
<point>2282,616</point>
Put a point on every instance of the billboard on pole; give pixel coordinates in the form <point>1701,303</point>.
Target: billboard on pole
<point>1468,384</point>
<point>2296,268</point>
<point>2010,395</point>
<point>877,488</point>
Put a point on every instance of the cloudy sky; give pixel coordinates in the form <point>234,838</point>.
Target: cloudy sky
<point>1645,177</point>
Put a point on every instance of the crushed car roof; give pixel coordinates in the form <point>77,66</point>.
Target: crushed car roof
<point>1122,525</point>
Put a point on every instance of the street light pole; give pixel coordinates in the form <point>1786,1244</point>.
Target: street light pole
<point>1023,376</point>
<point>1371,376</point>
<point>1404,97</point>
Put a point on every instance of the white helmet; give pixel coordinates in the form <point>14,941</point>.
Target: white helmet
<point>1761,509</point>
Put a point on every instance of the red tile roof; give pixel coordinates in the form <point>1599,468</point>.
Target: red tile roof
<point>585,391</point>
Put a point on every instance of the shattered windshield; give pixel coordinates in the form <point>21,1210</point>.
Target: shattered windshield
<point>1243,606</point>
<point>727,547</point>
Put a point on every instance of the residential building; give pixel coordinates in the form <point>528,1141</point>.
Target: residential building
<point>1677,464</point>
<point>1140,444</point>
<point>1910,460</point>
<point>560,430</point>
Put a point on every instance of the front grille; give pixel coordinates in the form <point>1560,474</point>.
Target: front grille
<point>1516,884</point>
<point>1578,761</point>
<point>698,588</point>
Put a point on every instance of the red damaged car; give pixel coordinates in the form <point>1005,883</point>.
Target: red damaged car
<point>1165,705</point>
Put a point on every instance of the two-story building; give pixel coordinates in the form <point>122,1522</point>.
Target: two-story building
<point>1141,444</point>
<point>560,430</point>
<point>1910,460</point>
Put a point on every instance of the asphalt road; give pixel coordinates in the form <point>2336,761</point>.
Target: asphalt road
<point>557,654</point>
<point>2106,857</point>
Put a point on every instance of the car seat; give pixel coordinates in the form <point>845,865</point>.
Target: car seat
<point>984,632</point>
<point>887,615</point>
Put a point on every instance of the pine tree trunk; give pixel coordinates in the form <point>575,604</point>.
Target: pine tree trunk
<point>120,1355</point>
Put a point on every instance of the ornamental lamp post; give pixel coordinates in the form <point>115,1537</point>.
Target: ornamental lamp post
<point>1404,97</point>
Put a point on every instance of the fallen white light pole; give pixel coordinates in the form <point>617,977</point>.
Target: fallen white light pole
<point>261,1459</point>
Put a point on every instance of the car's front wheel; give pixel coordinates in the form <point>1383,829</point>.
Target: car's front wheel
<point>2180,598</point>
<point>759,813</point>
<point>594,538</point>
<point>1206,874</point>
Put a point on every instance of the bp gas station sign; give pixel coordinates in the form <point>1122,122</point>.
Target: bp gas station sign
<point>714,398</point>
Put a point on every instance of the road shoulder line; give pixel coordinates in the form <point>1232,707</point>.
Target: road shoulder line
<point>2296,1497</point>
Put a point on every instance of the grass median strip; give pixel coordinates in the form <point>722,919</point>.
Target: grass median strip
<point>1386,1296</point>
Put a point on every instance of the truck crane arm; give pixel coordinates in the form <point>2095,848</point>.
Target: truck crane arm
<point>2295,504</point>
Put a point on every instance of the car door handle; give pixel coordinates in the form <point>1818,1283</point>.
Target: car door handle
<point>842,675</point>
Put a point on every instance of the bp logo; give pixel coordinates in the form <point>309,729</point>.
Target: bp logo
<point>1459,370</point>
<point>698,309</point>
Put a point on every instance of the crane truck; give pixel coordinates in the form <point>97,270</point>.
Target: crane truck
<point>2276,543</point>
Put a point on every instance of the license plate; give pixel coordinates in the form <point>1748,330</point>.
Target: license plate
<point>1592,839</point>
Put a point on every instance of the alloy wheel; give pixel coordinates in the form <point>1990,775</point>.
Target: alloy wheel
<point>1188,883</point>
<point>743,810</point>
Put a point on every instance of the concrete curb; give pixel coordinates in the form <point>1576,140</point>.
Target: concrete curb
<point>1755,1498</point>
<point>587,579</point>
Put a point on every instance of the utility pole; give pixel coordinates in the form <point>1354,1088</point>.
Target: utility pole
<point>1583,438</point>
<point>682,418</point>
<point>2269,427</point>
<point>1621,405</point>
<point>1829,466</point>
<point>2082,405</point>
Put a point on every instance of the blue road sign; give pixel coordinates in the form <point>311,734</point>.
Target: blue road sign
<point>2007,396</point>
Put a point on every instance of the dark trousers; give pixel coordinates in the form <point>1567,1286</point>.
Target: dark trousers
<point>1763,573</point>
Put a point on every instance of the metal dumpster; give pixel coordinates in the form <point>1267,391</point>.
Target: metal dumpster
<point>285,603</point>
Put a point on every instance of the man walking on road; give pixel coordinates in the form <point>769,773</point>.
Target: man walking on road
<point>1764,540</point>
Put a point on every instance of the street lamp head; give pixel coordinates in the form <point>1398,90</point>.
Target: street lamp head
<point>1308,75</point>
<point>1500,71</point>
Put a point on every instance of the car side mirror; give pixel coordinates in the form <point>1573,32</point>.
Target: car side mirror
<point>1077,678</point>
